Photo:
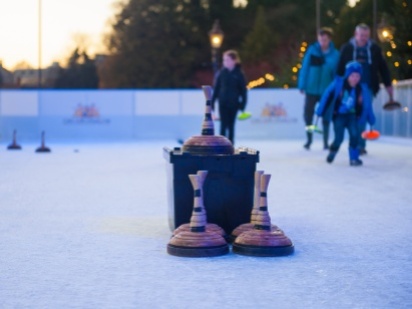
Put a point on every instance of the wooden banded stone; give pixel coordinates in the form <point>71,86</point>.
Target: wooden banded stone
<point>255,210</point>
<point>262,240</point>
<point>14,145</point>
<point>208,143</point>
<point>43,147</point>
<point>195,239</point>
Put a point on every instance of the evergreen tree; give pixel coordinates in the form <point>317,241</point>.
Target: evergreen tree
<point>81,72</point>
<point>158,43</point>
<point>398,49</point>
<point>260,42</point>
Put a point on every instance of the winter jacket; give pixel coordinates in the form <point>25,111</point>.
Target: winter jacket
<point>318,69</point>
<point>230,88</point>
<point>378,65</point>
<point>328,108</point>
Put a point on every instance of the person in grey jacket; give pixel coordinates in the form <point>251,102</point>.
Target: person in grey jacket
<point>317,72</point>
<point>362,49</point>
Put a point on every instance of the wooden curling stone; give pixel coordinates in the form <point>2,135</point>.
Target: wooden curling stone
<point>14,145</point>
<point>261,240</point>
<point>43,147</point>
<point>256,197</point>
<point>210,227</point>
<point>197,242</point>
<point>208,143</point>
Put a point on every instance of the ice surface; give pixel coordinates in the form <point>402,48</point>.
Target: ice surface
<point>86,227</point>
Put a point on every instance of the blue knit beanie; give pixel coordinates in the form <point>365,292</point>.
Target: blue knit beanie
<point>353,67</point>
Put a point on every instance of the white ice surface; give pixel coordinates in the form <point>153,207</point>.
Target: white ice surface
<point>86,227</point>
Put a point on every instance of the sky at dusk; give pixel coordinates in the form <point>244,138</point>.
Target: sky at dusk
<point>64,23</point>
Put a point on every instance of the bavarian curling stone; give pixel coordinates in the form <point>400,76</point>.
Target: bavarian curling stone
<point>210,227</point>
<point>197,242</point>
<point>255,210</point>
<point>261,240</point>
<point>14,145</point>
<point>208,143</point>
<point>43,148</point>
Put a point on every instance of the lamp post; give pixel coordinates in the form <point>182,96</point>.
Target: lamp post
<point>216,39</point>
<point>375,19</point>
<point>39,44</point>
<point>385,31</point>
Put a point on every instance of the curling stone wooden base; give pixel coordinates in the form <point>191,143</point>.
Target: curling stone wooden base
<point>263,243</point>
<point>14,147</point>
<point>248,227</point>
<point>43,149</point>
<point>208,145</point>
<point>197,244</point>
<point>262,251</point>
<point>197,251</point>
<point>210,227</point>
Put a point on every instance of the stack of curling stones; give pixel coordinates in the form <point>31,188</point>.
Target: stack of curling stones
<point>198,239</point>
<point>263,239</point>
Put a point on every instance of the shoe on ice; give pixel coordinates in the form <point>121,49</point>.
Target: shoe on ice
<point>355,162</point>
<point>331,157</point>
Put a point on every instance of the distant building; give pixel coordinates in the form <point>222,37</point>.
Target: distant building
<point>29,78</point>
<point>6,77</point>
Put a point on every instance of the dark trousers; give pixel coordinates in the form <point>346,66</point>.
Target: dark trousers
<point>227,121</point>
<point>361,141</point>
<point>361,128</point>
<point>308,112</point>
<point>340,123</point>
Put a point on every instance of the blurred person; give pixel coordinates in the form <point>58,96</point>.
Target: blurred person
<point>362,49</point>
<point>231,92</point>
<point>351,105</point>
<point>317,72</point>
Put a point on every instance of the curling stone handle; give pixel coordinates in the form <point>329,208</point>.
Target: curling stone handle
<point>207,90</point>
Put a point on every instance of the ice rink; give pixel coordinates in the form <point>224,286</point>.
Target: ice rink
<point>86,226</point>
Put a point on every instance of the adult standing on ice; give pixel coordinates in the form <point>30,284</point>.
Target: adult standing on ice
<point>362,49</point>
<point>317,72</point>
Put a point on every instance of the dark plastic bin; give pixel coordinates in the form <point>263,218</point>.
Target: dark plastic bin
<point>228,188</point>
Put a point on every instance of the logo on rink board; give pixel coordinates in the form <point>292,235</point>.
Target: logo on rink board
<point>274,113</point>
<point>85,114</point>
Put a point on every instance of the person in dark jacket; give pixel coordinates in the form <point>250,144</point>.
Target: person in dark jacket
<point>351,105</point>
<point>231,92</point>
<point>362,49</point>
<point>317,72</point>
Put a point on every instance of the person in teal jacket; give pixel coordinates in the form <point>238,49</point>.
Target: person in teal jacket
<point>348,103</point>
<point>317,71</point>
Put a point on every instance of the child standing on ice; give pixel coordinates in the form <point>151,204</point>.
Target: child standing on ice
<point>351,107</point>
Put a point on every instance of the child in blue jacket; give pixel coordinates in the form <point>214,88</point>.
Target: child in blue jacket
<point>350,105</point>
